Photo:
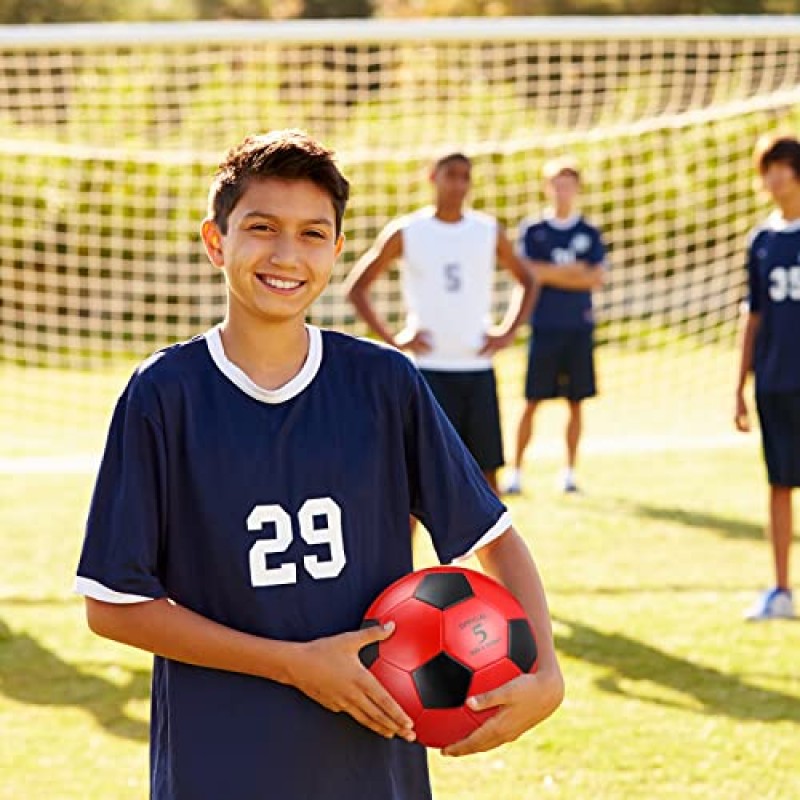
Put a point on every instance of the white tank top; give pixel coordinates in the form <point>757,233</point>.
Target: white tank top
<point>447,279</point>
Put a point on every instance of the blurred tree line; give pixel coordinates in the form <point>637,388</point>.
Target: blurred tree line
<point>43,11</point>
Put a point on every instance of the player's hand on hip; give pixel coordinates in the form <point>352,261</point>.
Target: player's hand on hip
<point>417,341</point>
<point>523,703</point>
<point>495,341</point>
<point>330,672</point>
<point>741,416</point>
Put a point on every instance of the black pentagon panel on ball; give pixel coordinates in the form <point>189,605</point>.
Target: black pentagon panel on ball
<point>442,682</point>
<point>369,653</point>
<point>521,644</point>
<point>443,589</point>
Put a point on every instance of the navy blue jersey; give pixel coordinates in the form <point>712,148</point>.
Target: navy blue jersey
<point>562,243</point>
<point>282,514</point>
<point>773,267</point>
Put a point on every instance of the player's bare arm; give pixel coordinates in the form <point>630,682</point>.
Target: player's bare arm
<point>327,670</point>
<point>748,337</point>
<point>376,261</point>
<point>578,276</point>
<point>528,699</point>
<point>522,299</point>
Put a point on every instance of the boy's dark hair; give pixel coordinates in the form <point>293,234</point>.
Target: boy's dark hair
<point>290,154</point>
<point>447,158</point>
<point>778,150</point>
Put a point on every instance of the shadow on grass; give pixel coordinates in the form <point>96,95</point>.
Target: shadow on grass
<point>730,527</point>
<point>30,673</point>
<point>626,659</point>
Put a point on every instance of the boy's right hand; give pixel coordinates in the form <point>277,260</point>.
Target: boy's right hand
<point>741,416</point>
<point>417,341</point>
<point>329,671</point>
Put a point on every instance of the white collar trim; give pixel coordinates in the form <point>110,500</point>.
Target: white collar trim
<point>243,381</point>
<point>776,222</point>
<point>561,224</point>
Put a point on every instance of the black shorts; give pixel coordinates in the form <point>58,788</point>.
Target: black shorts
<point>779,415</point>
<point>470,401</point>
<point>561,364</point>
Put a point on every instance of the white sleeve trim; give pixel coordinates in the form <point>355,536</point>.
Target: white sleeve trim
<point>94,589</point>
<point>495,532</point>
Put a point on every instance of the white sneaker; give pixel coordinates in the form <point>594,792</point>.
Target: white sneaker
<point>773,604</point>
<point>512,486</point>
<point>566,482</point>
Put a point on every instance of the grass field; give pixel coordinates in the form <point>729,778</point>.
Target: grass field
<point>669,693</point>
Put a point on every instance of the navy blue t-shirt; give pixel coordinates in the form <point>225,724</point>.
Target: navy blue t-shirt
<point>773,268</point>
<point>549,240</point>
<point>283,514</point>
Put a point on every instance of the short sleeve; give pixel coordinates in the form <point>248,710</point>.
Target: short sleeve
<point>526,243</point>
<point>449,493</point>
<point>753,279</point>
<point>119,560</point>
<point>597,253</point>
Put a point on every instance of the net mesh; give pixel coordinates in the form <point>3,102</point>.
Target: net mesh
<point>107,149</point>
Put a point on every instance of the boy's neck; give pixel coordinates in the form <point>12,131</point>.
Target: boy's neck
<point>790,209</point>
<point>449,213</point>
<point>270,354</point>
<point>564,212</point>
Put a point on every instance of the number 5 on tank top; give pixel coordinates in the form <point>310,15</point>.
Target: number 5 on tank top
<point>452,277</point>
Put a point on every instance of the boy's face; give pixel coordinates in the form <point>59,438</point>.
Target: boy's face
<point>780,182</point>
<point>452,181</point>
<point>562,190</point>
<point>279,250</point>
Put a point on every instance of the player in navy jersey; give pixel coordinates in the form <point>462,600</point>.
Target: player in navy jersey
<point>448,254</point>
<point>252,501</point>
<point>770,343</point>
<point>568,259</point>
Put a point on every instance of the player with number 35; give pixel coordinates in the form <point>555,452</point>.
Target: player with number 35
<point>770,343</point>
<point>253,500</point>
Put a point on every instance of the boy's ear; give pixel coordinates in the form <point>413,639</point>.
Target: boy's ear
<point>212,239</point>
<point>339,245</point>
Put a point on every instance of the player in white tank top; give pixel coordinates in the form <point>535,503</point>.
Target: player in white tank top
<point>447,277</point>
<point>448,256</point>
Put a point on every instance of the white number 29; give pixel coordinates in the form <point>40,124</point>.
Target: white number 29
<point>329,534</point>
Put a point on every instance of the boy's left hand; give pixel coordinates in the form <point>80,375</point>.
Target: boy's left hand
<point>494,341</point>
<point>524,702</point>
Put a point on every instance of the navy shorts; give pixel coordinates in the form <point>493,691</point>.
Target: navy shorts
<point>779,415</point>
<point>561,364</point>
<point>470,401</point>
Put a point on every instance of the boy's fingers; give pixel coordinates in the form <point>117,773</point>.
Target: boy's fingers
<point>491,699</point>
<point>389,706</point>
<point>484,738</point>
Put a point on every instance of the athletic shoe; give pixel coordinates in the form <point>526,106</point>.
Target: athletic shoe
<point>773,604</point>
<point>512,486</point>
<point>567,483</point>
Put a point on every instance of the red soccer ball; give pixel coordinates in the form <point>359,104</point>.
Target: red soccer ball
<point>457,633</point>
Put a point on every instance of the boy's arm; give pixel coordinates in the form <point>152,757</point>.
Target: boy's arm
<point>522,298</point>
<point>327,670</point>
<point>577,276</point>
<point>528,699</point>
<point>370,266</point>
<point>748,338</point>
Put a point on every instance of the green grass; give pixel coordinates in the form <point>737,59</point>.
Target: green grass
<point>669,694</point>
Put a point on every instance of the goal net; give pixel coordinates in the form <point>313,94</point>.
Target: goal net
<point>109,135</point>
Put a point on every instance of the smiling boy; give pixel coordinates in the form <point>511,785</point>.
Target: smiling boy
<point>253,499</point>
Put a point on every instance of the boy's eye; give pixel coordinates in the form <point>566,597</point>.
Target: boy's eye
<point>315,234</point>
